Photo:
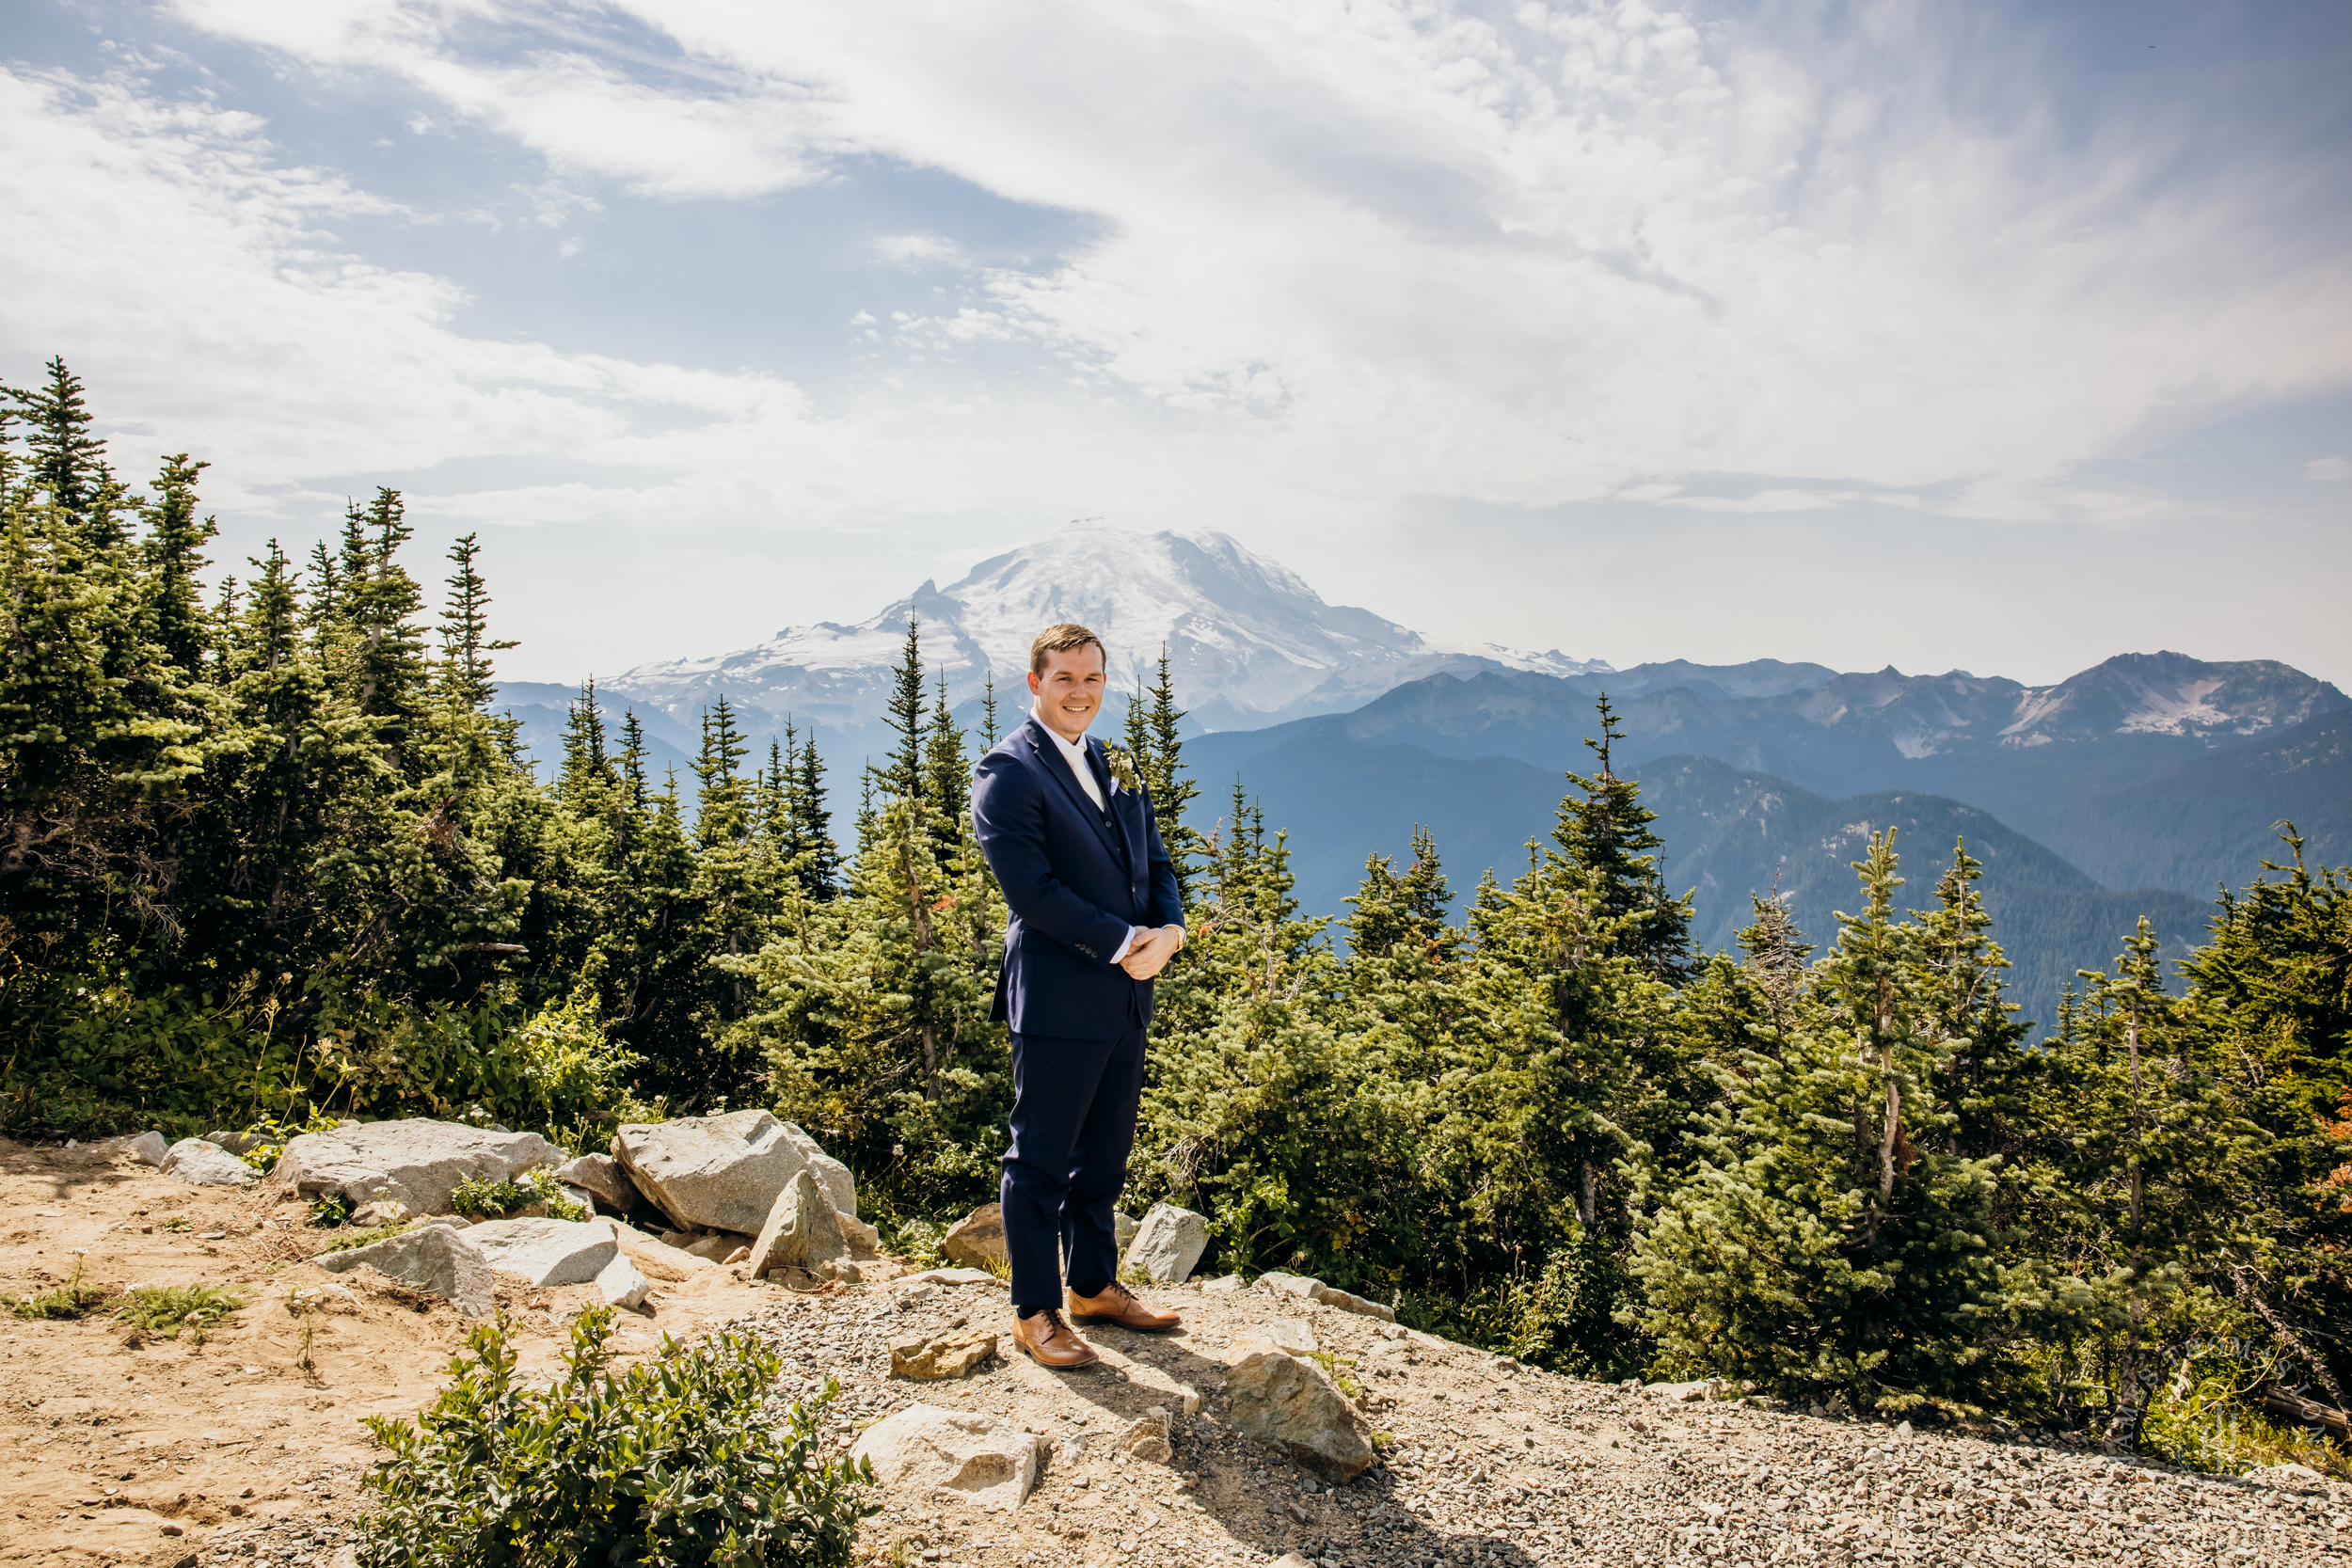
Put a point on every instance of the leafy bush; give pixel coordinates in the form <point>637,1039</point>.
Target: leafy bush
<point>181,1310</point>
<point>479,1200</point>
<point>672,1462</point>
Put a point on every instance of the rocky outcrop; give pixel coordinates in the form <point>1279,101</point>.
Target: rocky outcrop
<point>546,1252</point>
<point>1288,1403</point>
<point>435,1259</point>
<point>801,1232</point>
<point>203,1164</point>
<point>1169,1244</point>
<point>417,1161</point>
<point>977,1240</point>
<point>980,1459</point>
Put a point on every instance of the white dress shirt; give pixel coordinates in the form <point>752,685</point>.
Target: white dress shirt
<point>1074,753</point>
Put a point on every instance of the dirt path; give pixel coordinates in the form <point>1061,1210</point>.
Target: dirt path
<point>116,1450</point>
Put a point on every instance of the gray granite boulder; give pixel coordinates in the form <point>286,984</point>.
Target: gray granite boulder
<point>544,1251</point>
<point>1169,1244</point>
<point>148,1149</point>
<point>203,1164</point>
<point>1288,1403</point>
<point>984,1461</point>
<point>418,1161</point>
<point>710,1173</point>
<point>601,1177</point>
<point>831,1175</point>
<point>435,1259</point>
<point>802,1230</point>
<point>977,1240</point>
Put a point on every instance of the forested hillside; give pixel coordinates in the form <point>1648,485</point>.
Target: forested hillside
<point>268,857</point>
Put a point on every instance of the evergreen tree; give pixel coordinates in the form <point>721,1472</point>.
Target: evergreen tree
<point>902,776</point>
<point>466,641</point>
<point>1825,1245</point>
<point>67,462</point>
<point>175,563</point>
<point>1605,830</point>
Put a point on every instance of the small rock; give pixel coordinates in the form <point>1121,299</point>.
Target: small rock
<point>977,1240</point>
<point>1169,1244</point>
<point>1224,1283</point>
<point>800,1229</point>
<point>620,1283</point>
<point>1293,1334</point>
<point>1686,1393</point>
<point>934,1359</point>
<point>203,1164</point>
<point>148,1149</point>
<point>1146,1438</point>
<point>2289,1478</point>
<point>1289,1404</point>
<point>924,1448</point>
<point>601,1177</point>
<point>717,1248</point>
<point>864,1240</point>
<point>953,1276</point>
<point>435,1259</point>
<point>1123,1229</point>
<point>1327,1295</point>
<point>548,1252</point>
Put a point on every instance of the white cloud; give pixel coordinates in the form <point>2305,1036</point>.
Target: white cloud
<point>1437,250</point>
<point>1346,259</point>
<point>2327,469</point>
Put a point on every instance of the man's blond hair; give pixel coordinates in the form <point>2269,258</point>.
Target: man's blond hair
<point>1064,638</point>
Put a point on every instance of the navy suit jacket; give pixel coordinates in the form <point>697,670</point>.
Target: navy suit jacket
<point>1075,880</point>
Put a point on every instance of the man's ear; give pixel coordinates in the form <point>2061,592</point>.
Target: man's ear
<point>1033,685</point>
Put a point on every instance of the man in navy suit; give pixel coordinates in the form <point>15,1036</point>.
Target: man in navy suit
<point>1094,916</point>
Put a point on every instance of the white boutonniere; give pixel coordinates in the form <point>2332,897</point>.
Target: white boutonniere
<point>1123,765</point>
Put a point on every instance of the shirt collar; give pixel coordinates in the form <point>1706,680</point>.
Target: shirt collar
<point>1076,753</point>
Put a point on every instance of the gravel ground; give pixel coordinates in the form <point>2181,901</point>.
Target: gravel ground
<point>1491,1462</point>
<point>1487,1463</point>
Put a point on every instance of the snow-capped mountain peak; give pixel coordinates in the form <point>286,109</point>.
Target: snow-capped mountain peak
<point>1249,641</point>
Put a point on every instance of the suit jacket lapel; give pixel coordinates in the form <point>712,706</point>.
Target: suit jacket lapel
<point>1049,756</point>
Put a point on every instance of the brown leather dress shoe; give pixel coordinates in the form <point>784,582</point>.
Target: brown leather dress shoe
<point>1120,1306</point>
<point>1052,1343</point>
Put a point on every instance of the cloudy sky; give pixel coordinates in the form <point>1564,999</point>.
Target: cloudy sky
<point>2003,336</point>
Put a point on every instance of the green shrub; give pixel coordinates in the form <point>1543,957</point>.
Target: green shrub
<point>672,1462</point>
<point>71,1299</point>
<point>346,1240</point>
<point>479,1200</point>
<point>181,1310</point>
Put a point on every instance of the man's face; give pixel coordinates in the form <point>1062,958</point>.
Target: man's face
<point>1070,689</point>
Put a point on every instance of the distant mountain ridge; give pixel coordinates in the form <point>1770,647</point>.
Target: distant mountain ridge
<point>2158,772</point>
